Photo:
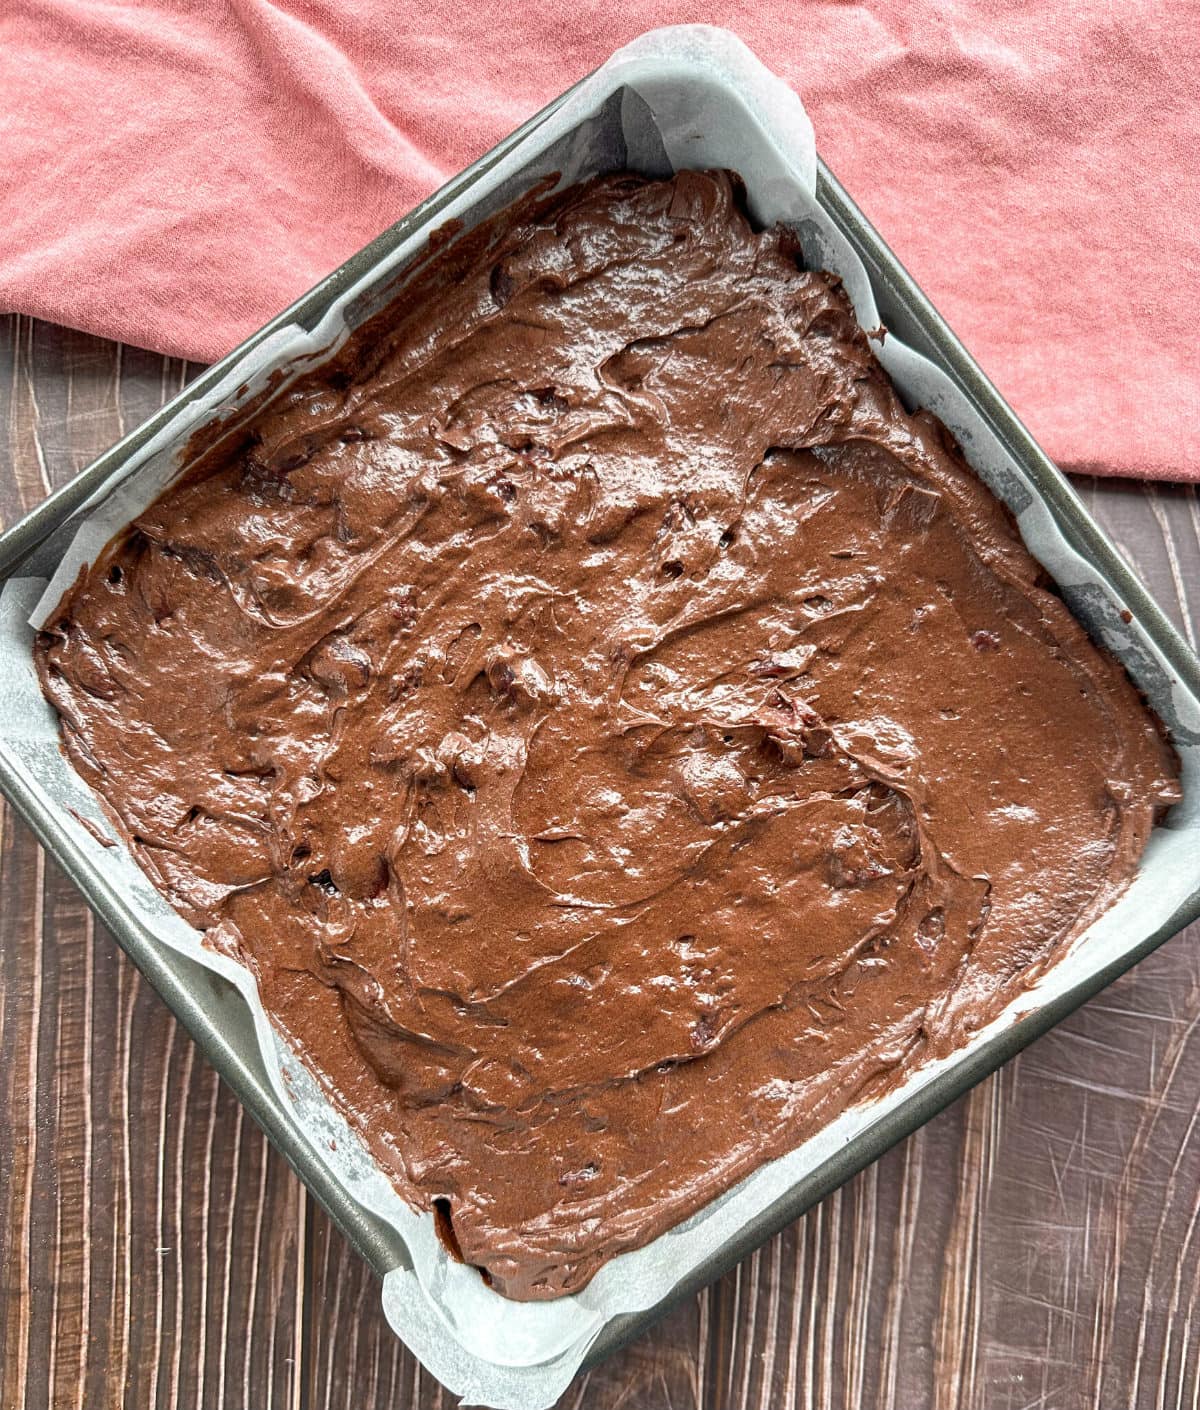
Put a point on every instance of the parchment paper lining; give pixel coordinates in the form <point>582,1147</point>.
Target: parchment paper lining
<point>684,97</point>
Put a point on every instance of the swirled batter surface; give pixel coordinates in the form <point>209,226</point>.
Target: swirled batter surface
<point>615,732</point>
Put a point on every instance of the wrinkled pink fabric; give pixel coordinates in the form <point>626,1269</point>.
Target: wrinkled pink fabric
<point>172,174</point>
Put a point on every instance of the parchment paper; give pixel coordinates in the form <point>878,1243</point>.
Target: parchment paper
<point>684,97</point>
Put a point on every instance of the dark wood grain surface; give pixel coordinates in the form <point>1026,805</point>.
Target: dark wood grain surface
<point>1036,1247</point>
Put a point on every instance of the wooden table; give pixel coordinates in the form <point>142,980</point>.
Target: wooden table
<point>1037,1247</point>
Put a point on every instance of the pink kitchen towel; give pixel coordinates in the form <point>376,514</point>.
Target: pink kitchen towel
<point>173,172</point>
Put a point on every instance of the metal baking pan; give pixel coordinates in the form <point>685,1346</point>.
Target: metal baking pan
<point>1107,597</point>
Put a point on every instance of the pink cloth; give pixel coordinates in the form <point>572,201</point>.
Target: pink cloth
<point>172,174</point>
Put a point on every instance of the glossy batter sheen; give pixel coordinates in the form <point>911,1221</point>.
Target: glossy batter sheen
<point>617,735</point>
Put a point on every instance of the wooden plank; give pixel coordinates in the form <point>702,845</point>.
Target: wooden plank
<point>1037,1245</point>
<point>152,1244</point>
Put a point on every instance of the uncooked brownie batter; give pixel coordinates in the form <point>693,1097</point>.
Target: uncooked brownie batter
<point>615,732</point>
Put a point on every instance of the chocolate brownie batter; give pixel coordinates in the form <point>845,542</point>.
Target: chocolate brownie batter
<point>617,735</point>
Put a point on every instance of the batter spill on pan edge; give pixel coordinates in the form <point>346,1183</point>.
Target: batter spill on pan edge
<point>614,732</point>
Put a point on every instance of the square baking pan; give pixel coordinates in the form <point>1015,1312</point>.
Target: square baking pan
<point>642,110</point>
